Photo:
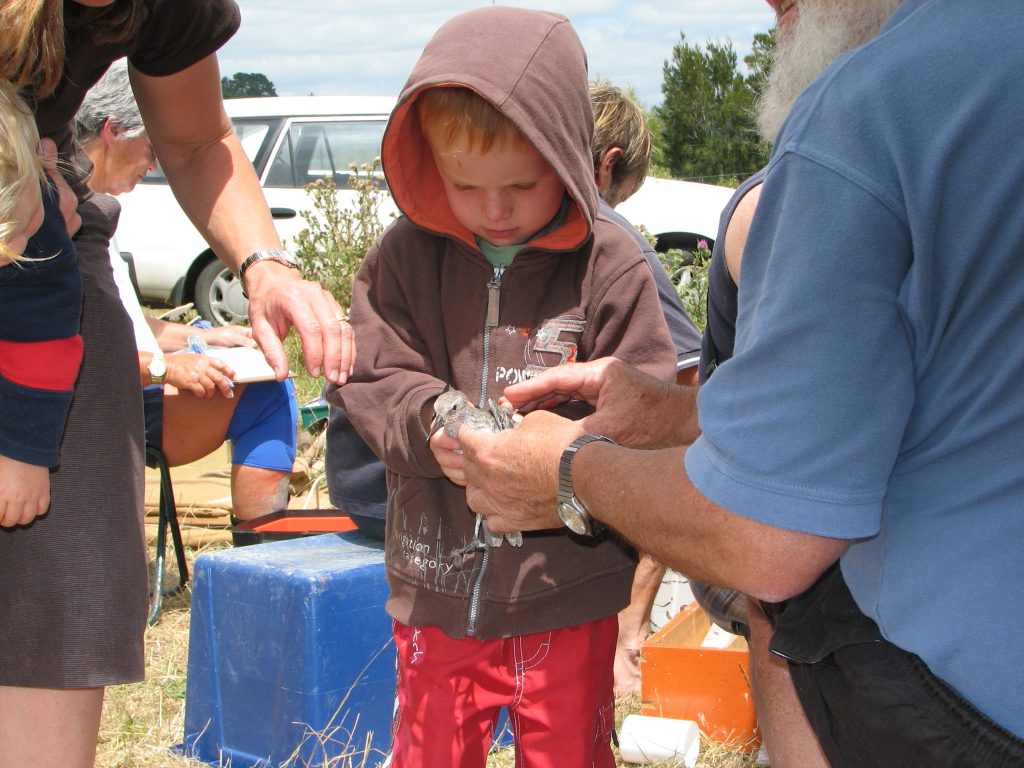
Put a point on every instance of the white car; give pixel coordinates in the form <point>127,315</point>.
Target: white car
<point>293,141</point>
<point>678,213</point>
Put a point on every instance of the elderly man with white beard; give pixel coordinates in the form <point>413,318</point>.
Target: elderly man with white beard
<point>809,38</point>
<point>870,411</point>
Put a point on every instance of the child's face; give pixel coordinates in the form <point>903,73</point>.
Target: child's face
<point>30,212</point>
<point>504,196</point>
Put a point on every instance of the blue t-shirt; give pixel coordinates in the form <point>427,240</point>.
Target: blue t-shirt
<point>876,391</point>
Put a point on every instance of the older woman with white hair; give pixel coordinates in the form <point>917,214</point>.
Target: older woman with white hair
<point>111,130</point>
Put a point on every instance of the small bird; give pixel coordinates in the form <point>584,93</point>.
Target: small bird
<point>452,410</point>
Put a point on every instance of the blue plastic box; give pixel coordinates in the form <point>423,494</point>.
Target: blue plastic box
<point>291,660</point>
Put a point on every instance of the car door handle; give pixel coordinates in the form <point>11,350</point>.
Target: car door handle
<point>283,213</point>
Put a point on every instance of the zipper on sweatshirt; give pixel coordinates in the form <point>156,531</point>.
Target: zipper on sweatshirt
<point>490,321</point>
<point>474,600</point>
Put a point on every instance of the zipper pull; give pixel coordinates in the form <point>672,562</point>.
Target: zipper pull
<point>493,297</point>
<point>458,556</point>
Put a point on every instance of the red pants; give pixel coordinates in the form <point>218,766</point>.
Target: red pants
<point>556,685</point>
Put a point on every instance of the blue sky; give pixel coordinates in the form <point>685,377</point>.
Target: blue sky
<point>337,47</point>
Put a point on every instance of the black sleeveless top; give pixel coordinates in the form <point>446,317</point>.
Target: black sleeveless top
<point>720,332</point>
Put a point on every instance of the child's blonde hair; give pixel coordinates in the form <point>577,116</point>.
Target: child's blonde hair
<point>21,167</point>
<point>459,113</point>
<point>620,122</point>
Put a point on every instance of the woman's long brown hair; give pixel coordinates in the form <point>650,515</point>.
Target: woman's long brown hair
<point>32,39</point>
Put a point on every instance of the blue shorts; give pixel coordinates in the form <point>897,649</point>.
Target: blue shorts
<point>262,428</point>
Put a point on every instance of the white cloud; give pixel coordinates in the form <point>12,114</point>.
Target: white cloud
<point>334,47</point>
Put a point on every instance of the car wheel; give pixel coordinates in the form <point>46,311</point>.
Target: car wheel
<point>219,296</point>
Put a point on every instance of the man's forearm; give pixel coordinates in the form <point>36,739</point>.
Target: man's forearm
<point>647,497</point>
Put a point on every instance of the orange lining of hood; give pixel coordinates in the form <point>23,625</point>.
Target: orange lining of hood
<point>419,193</point>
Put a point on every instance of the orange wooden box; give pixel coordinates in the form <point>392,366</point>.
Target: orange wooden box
<point>710,686</point>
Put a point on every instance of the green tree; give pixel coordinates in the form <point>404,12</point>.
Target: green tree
<point>707,115</point>
<point>245,84</point>
<point>759,60</point>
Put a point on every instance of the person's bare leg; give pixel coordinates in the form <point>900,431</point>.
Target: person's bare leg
<point>49,728</point>
<point>194,427</point>
<point>634,621</point>
<point>256,492</point>
<point>787,735</point>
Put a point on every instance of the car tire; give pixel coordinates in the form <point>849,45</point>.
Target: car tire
<point>682,241</point>
<point>218,296</point>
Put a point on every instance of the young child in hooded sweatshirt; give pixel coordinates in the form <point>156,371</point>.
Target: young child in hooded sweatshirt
<point>40,304</point>
<point>501,267</point>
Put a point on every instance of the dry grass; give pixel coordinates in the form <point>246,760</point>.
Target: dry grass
<point>143,720</point>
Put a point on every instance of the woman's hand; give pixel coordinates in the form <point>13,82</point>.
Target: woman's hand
<point>227,336</point>
<point>199,374</point>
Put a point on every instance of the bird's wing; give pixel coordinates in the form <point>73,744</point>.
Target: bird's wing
<point>501,417</point>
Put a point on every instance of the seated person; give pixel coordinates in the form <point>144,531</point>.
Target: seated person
<point>191,405</point>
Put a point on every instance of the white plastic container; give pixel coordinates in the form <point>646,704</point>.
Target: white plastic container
<point>645,740</point>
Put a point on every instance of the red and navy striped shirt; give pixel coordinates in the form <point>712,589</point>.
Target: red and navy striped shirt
<point>40,349</point>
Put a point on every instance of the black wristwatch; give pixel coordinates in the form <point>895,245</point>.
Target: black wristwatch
<point>571,511</point>
<point>274,254</point>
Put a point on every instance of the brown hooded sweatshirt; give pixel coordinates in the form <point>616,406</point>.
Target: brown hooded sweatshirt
<point>429,310</point>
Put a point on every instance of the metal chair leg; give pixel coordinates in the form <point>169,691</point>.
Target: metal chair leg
<point>167,518</point>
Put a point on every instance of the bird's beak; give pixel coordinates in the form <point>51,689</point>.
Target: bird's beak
<point>435,427</point>
<point>438,422</point>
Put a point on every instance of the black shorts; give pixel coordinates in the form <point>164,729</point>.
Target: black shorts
<point>871,703</point>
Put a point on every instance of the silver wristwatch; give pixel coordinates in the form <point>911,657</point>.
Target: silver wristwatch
<point>274,254</point>
<point>571,510</point>
<point>157,368</point>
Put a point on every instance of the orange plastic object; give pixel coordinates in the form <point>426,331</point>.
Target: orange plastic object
<point>298,523</point>
<point>710,686</point>
<point>291,524</point>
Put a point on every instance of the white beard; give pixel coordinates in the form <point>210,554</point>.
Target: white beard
<point>822,30</point>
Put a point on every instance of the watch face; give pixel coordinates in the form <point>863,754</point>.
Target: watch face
<point>157,367</point>
<point>574,518</point>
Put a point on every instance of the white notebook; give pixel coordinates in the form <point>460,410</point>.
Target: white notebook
<point>248,363</point>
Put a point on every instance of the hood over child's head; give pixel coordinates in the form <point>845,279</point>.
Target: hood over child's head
<point>499,84</point>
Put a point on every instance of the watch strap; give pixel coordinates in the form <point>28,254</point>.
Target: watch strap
<point>271,254</point>
<point>566,492</point>
<point>157,368</point>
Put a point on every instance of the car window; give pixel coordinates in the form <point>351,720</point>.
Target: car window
<point>313,150</point>
<point>251,134</point>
